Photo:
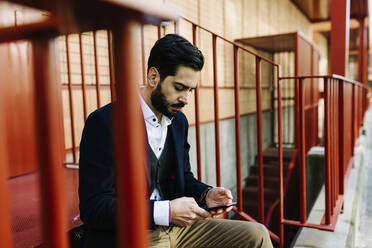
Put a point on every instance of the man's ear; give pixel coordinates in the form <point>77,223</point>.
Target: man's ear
<point>153,77</point>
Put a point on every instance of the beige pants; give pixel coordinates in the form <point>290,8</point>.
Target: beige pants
<point>216,233</point>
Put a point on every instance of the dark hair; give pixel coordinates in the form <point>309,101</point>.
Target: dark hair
<point>172,51</point>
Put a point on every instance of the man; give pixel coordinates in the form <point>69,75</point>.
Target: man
<point>176,198</point>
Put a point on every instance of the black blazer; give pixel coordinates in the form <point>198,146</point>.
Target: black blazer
<point>97,177</point>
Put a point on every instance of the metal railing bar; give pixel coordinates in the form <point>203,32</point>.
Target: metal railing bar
<point>231,42</point>
<point>280,155</point>
<point>47,108</point>
<point>302,150</point>
<point>70,99</point>
<point>96,69</point>
<point>237,130</point>
<point>260,177</point>
<point>216,111</point>
<point>82,78</point>
<point>112,81</point>
<point>197,116</point>
<point>327,153</point>
<point>130,137</point>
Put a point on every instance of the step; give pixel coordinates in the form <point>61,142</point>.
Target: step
<point>268,170</point>
<point>271,154</point>
<point>251,208</point>
<point>250,194</point>
<point>269,181</point>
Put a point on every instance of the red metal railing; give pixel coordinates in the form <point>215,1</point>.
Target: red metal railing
<point>49,111</point>
<point>339,104</point>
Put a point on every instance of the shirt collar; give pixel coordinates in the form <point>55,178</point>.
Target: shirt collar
<point>148,115</point>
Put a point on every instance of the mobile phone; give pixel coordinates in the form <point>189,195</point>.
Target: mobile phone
<point>221,207</point>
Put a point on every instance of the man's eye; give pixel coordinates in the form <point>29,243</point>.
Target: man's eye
<point>179,88</point>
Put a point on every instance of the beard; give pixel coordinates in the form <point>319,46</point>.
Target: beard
<point>161,104</point>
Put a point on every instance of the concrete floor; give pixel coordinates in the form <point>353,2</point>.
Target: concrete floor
<point>364,215</point>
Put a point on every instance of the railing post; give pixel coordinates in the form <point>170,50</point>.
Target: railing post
<point>327,154</point>
<point>302,147</point>
<point>48,107</point>
<point>353,118</point>
<point>341,134</point>
<point>82,70</point>
<point>259,143</point>
<point>70,99</point>
<point>216,111</point>
<point>6,240</point>
<point>96,69</point>
<point>144,72</point>
<point>197,114</point>
<point>280,153</point>
<point>237,130</point>
<point>129,137</point>
<point>112,78</point>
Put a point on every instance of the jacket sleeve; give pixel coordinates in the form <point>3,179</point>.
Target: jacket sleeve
<point>96,175</point>
<point>97,192</point>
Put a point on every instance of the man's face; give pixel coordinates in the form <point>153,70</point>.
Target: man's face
<point>173,93</point>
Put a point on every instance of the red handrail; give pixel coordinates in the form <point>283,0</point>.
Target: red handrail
<point>335,144</point>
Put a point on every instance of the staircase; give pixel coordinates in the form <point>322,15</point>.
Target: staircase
<point>271,181</point>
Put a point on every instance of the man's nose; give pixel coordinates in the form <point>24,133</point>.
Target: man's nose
<point>184,99</point>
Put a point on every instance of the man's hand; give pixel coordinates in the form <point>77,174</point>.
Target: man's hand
<point>217,197</point>
<point>185,211</point>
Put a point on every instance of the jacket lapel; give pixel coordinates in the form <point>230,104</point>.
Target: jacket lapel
<point>179,148</point>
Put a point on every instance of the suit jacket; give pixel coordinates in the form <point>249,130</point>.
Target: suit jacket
<point>97,191</point>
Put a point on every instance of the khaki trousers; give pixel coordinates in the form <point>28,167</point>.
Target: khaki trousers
<point>216,233</point>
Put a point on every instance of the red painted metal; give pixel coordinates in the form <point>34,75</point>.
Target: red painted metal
<point>144,73</point>
<point>46,82</point>
<point>327,153</point>
<point>82,78</point>
<point>337,147</point>
<point>340,20</point>
<point>197,115</point>
<point>237,130</point>
<point>341,136</point>
<point>112,81</point>
<point>363,53</point>
<point>260,173</point>
<point>129,137</point>
<point>70,99</point>
<point>96,69</point>
<point>216,111</point>
<point>229,42</point>
<point>27,31</point>
<point>5,224</point>
<point>302,150</point>
<point>280,156</point>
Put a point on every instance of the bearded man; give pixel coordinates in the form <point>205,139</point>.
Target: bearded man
<point>177,201</point>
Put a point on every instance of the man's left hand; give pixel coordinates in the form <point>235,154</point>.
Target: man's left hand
<point>217,197</point>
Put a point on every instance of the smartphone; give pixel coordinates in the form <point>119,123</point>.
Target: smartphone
<point>221,207</point>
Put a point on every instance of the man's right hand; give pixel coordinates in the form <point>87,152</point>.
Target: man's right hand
<point>185,211</point>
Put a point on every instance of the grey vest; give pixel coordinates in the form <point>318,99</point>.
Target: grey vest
<point>161,169</point>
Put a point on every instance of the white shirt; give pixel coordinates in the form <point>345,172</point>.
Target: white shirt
<point>156,135</point>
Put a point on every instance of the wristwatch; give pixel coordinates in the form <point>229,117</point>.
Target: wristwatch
<point>202,201</point>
